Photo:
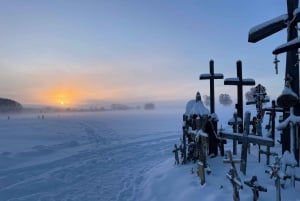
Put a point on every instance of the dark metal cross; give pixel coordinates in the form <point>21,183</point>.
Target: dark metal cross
<point>211,76</point>
<point>239,82</point>
<point>246,139</point>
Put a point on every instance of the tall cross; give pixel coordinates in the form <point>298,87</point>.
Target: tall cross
<point>246,139</point>
<point>239,82</point>
<point>211,76</point>
<point>268,28</point>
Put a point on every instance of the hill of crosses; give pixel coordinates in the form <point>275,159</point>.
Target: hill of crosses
<point>203,141</point>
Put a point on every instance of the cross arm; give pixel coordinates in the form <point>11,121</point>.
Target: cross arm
<point>293,44</point>
<point>237,81</point>
<point>267,28</point>
<point>276,109</point>
<point>250,138</point>
<point>260,140</point>
<point>230,135</point>
<point>206,76</point>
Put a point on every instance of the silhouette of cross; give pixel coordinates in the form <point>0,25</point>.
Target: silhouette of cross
<point>239,82</point>
<point>211,76</point>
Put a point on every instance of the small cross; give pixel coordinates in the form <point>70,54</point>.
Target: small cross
<point>276,61</point>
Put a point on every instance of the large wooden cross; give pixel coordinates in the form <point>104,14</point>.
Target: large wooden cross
<point>246,139</point>
<point>211,76</point>
<point>268,28</point>
<point>239,82</point>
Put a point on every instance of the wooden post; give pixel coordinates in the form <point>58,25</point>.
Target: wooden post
<point>184,135</point>
<point>201,172</point>
<point>235,122</point>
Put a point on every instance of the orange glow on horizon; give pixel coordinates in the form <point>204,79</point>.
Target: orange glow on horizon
<point>74,96</point>
<point>61,96</point>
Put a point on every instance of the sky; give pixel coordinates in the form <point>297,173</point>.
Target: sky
<point>71,52</point>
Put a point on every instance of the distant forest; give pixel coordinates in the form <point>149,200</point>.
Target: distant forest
<point>9,106</point>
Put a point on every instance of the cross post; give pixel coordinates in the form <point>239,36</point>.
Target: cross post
<point>235,121</point>
<point>239,82</point>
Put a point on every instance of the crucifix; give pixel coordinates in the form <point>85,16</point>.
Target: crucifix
<point>246,139</point>
<point>268,28</point>
<point>212,76</point>
<point>239,82</point>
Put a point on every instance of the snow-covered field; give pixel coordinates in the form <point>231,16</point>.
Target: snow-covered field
<point>83,156</point>
<point>108,156</point>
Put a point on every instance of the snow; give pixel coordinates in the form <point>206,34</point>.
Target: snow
<point>108,156</point>
<point>292,44</point>
<point>263,25</point>
<point>292,118</point>
<point>196,107</point>
<point>232,79</point>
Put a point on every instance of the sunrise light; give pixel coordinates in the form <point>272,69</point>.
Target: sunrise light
<point>62,96</point>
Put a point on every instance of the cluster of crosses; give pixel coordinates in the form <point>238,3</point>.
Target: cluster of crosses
<point>201,136</point>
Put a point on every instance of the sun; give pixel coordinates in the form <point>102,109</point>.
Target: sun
<point>62,102</point>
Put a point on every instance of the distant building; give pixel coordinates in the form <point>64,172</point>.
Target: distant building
<point>149,106</point>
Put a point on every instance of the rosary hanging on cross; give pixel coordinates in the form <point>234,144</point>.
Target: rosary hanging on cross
<point>276,61</point>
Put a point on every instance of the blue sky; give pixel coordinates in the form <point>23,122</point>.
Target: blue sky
<point>86,51</point>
